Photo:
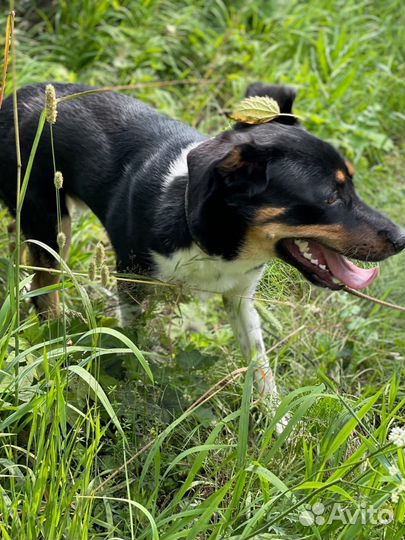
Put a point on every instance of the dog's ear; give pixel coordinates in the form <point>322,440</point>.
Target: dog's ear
<point>284,95</point>
<point>222,170</point>
<point>229,164</point>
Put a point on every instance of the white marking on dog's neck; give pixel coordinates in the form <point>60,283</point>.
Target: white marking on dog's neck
<point>195,269</point>
<point>178,167</point>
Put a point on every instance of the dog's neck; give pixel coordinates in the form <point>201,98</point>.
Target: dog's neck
<point>186,213</point>
<point>174,199</point>
<point>178,167</point>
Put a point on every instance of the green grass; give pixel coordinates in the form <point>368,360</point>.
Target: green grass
<point>90,448</point>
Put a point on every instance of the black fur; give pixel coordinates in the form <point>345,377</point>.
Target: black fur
<point>115,152</point>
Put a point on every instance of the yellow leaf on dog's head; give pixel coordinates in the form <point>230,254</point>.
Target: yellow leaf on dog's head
<point>255,110</point>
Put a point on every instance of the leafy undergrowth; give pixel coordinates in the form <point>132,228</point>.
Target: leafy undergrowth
<point>91,448</point>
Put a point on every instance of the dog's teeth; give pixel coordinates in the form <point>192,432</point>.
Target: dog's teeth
<point>315,261</point>
<point>305,251</point>
<point>336,281</point>
<point>322,266</point>
<point>301,243</point>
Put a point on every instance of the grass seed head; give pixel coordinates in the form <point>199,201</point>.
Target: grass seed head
<point>92,270</point>
<point>100,255</point>
<point>105,275</point>
<point>58,180</point>
<point>61,239</point>
<point>50,104</point>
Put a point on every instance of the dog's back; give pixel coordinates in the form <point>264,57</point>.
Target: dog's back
<point>96,137</point>
<point>113,151</point>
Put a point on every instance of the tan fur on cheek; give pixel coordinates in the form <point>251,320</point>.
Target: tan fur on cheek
<point>258,245</point>
<point>260,241</point>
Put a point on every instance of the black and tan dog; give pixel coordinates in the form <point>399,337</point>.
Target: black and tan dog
<point>205,213</point>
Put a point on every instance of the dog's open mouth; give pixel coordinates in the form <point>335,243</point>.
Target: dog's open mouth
<point>325,267</point>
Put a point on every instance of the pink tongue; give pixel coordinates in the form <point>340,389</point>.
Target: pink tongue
<point>351,275</point>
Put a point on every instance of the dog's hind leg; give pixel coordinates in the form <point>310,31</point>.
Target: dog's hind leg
<point>45,230</point>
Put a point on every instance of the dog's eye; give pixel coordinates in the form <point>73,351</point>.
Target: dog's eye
<point>333,198</point>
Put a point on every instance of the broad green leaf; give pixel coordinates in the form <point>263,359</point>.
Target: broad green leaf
<point>255,110</point>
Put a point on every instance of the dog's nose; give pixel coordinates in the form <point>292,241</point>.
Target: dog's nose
<point>399,242</point>
<point>395,236</point>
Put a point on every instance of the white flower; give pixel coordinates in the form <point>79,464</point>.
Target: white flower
<point>395,497</point>
<point>397,436</point>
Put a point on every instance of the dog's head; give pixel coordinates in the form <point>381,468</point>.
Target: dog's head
<point>276,190</point>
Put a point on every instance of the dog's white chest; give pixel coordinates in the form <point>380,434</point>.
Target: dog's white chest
<point>203,273</point>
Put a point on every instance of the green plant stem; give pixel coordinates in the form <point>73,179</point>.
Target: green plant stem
<point>17,253</point>
<point>59,218</point>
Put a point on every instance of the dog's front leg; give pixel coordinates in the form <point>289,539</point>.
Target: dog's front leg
<point>245,323</point>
